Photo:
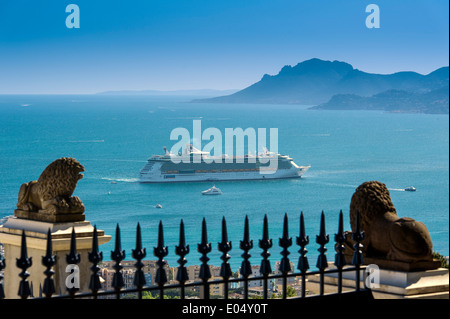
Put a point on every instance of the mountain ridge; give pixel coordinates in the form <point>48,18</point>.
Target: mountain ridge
<point>315,82</point>
<point>433,102</point>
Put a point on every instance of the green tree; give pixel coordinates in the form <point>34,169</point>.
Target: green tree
<point>290,292</point>
<point>441,258</point>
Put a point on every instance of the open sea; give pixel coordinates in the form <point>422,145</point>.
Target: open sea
<point>113,136</point>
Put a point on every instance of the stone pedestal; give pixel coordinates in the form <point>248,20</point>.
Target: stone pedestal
<point>427,284</point>
<point>36,238</point>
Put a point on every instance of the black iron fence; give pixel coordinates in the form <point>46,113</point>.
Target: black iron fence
<point>95,257</point>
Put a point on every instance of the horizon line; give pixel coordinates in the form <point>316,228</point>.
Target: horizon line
<point>210,89</point>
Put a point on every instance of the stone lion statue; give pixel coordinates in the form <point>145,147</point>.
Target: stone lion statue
<point>52,192</point>
<point>388,236</point>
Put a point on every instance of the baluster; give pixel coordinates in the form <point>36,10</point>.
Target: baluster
<point>95,257</point>
<point>117,255</point>
<point>246,245</point>
<point>204,248</point>
<point>161,251</point>
<point>285,266</point>
<point>339,260</point>
<point>2,267</point>
<point>225,247</point>
<point>303,264</point>
<point>73,258</point>
<point>31,289</point>
<point>182,250</point>
<point>139,253</point>
<point>24,262</point>
<point>322,239</point>
<point>49,261</point>
<point>357,260</point>
<point>265,244</point>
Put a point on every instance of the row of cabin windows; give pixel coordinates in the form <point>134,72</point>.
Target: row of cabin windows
<point>223,170</point>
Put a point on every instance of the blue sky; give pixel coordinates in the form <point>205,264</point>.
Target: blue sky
<point>197,44</point>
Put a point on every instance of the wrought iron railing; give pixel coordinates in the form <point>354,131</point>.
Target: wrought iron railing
<point>204,248</point>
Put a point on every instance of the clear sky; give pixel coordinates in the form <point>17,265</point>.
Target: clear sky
<point>216,44</point>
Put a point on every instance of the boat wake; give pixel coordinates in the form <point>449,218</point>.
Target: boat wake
<point>124,180</point>
<point>87,141</point>
<point>333,184</point>
<point>397,189</point>
<point>113,160</point>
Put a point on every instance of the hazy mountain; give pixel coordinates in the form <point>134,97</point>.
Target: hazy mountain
<point>435,101</point>
<point>201,92</point>
<point>316,81</point>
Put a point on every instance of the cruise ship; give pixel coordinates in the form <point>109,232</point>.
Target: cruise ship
<point>164,169</point>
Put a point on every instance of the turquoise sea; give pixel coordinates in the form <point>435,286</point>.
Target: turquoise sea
<point>112,136</point>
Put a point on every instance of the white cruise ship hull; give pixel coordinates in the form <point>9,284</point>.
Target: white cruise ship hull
<point>157,177</point>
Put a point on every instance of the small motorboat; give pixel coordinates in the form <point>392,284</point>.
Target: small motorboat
<point>410,189</point>
<point>158,206</point>
<point>212,191</point>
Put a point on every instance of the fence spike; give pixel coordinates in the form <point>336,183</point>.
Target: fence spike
<point>95,257</point>
<point>182,239</point>
<point>322,239</point>
<point>225,246</point>
<point>285,242</point>
<point>138,237</point>
<point>302,241</point>
<point>204,248</point>
<point>265,244</point>
<point>358,237</point>
<point>160,251</point>
<point>224,230</point>
<point>285,265</point>
<point>246,245</point>
<point>340,239</point>
<point>139,253</point>
<point>339,259</point>
<point>24,262</point>
<point>303,264</point>
<point>117,255</point>
<point>182,250</point>
<point>357,260</point>
<point>49,261</point>
<point>204,232</point>
<point>73,258</point>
